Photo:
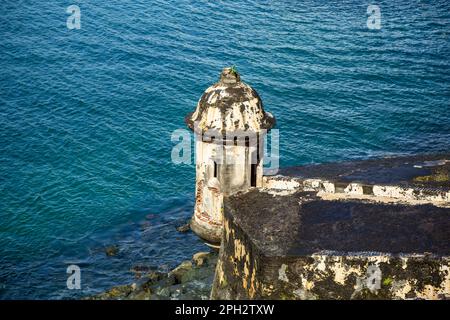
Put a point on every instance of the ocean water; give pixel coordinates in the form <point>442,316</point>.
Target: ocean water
<point>86,115</point>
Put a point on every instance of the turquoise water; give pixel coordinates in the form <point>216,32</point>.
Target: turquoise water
<point>86,115</point>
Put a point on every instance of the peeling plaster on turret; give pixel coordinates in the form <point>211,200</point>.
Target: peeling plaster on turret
<point>228,108</point>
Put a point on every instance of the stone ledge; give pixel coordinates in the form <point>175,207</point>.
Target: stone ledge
<point>297,238</point>
<point>414,179</point>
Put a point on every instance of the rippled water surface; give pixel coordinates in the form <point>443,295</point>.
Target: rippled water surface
<point>86,115</point>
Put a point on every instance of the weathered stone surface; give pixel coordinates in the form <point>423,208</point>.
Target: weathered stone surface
<point>230,105</point>
<point>416,180</point>
<point>296,245</point>
<point>230,124</point>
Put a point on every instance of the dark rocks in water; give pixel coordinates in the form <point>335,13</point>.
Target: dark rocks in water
<point>182,273</point>
<point>150,216</point>
<point>185,227</point>
<point>112,251</point>
<point>140,270</point>
<point>192,280</point>
<point>114,293</point>
<point>201,258</point>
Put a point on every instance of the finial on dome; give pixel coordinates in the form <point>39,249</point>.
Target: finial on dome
<point>230,75</point>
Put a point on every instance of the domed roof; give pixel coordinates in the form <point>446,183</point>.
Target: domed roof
<point>230,105</point>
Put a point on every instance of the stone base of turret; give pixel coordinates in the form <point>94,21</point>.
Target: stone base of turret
<point>376,229</point>
<point>206,228</point>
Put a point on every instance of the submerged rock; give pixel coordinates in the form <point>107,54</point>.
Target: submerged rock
<point>185,227</point>
<point>111,251</point>
<point>181,271</point>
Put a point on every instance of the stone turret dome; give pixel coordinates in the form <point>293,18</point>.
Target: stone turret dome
<point>230,105</point>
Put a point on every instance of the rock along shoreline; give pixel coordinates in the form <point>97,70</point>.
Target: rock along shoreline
<point>192,280</point>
